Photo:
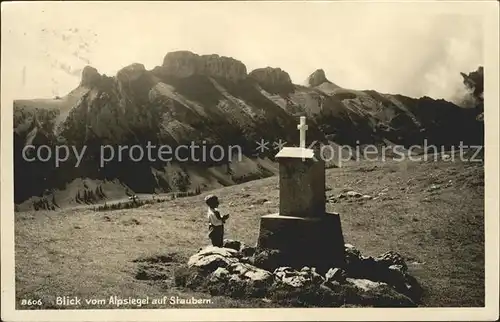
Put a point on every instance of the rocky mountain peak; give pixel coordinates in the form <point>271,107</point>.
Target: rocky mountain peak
<point>185,63</point>
<point>90,77</point>
<point>273,80</point>
<point>225,67</point>
<point>474,81</point>
<point>317,78</point>
<point>131,72</point>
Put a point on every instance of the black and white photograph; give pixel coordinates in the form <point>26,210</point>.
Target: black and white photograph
<point>288,160</point>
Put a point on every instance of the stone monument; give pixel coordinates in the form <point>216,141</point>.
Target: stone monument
<point>302,232</point>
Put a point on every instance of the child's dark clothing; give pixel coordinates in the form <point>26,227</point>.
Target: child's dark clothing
<point>216,235</point>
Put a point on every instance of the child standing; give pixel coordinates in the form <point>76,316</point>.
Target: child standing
<point>215,221</point>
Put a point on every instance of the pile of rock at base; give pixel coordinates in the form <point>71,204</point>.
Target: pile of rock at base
<point>238,271</point>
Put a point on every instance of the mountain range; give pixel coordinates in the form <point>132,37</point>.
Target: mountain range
<point>215,100</point>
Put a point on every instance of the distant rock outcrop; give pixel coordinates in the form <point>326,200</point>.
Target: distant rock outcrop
<point>317,78</point>
<point>273,80</point>
<point>475,82</point>
<point>192,99</point>
<point>131,72</point>
<point>185,63</point>
<point>90,77</point>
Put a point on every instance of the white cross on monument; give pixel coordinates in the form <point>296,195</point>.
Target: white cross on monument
<point>302,127</point>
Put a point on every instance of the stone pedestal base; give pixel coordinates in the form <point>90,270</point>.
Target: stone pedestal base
<point>314,242</point>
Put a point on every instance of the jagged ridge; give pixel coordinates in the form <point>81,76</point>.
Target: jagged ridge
<point>212,98</point>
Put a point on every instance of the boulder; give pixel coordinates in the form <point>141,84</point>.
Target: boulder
<point>397,277</point>
<point>365,281</point>
<point>335,274</point>
<point>364,284</point>
<point>191,277</point>
<point>232,278</point>
<point>220,273</point>
<point>242,271</point>
<point>352,256</point>
<point>268,259</point>
<point>392,258</point>
<point>298,279</point>
<point>210,250</point>
<point>239,279</point>
<point>252,273</point>
<point>377,294</point>
<point>210,258</point>
<point>389,268</point>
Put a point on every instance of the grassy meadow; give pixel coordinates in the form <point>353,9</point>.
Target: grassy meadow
<point>430,212</point>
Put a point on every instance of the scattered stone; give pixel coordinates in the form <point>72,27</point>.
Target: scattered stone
<point>260,201</point>
<point>434,187</point>
<point>398,268</point>
<point>392,258</point>
<point>131,222</point>
<point>350,195</point>
<point>417,263</point>
<point>353,194</point>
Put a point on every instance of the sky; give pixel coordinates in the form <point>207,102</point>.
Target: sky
<point>398,48</point>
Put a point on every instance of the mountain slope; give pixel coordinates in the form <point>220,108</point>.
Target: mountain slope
<point>209,100</point>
